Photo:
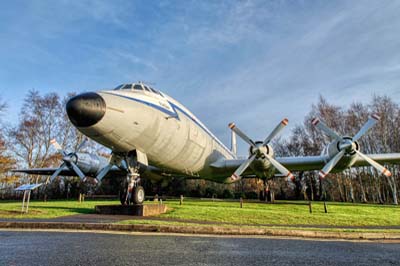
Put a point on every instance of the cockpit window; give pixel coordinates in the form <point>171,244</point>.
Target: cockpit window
<point>119,87</point>
<point>138,87</point>
<point>153,90</point>
<point>127,87</point>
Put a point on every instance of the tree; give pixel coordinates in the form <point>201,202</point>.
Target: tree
<point>42,119</point>
<point>6,160</point>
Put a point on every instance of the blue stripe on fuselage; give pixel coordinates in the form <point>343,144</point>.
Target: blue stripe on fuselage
<point>174,115</point>
<point>168,112</point>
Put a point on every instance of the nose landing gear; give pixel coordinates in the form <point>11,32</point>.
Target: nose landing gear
<point>132,192</point>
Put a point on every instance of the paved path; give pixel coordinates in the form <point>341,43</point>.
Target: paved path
<point>54,248</point>
<point>78,218</point>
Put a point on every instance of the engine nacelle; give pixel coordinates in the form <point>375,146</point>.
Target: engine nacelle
<point>90,164</point>
<point>261,166</point>
<point>336,146</point>
<point>267,148</point>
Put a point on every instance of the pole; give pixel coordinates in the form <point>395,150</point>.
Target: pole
<point>23,201</point>
<point>29,197</point>
<point>324,194</point>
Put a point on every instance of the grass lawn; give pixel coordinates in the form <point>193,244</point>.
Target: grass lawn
<point>283,213</point>
<point>50,209</point>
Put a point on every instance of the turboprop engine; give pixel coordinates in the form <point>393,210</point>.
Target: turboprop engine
<point>343,151</point>
<point>261,153</point>
<point>350,156</point>
<point>83,164</point>
<point>90,164</point>
<point>261,165</point>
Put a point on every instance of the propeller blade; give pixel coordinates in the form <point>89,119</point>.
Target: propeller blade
<point>77,170</point>
<point>329,166</point>
<point>58,147</point>
<point>57,172</point>
<point>103,172</point>
<point>282,169</point>
<point>322,126</point>
<point>82,144</point>
<point>376,165</point>
<point>276,131</point>
<point>372,120</point>
<point>236,176</point>
<point>241,134</point>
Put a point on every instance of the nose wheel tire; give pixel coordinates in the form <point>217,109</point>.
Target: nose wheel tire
<point>138,195</point>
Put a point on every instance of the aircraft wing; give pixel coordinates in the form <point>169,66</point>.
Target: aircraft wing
<point>65,172</point>
<point>307,163</point>
<point>44,171</point>
<point>114,171</point>
<point>310,163</point>
<point>291,163</point>
<point>383,158</point>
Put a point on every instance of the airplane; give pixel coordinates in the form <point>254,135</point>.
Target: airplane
<point>153,136</point>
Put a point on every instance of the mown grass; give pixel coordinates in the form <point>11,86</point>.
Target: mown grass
<point>49,209</point>
<point>283,213</point>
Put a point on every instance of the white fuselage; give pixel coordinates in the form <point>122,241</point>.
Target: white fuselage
<point>155,124</point>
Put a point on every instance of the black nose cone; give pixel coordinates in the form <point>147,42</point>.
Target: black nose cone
<point>85,110</point>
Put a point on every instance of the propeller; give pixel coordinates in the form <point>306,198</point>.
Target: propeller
<point>114,160</point>
<point>103,172</point>
<point>69,159</point>
<point>348,145</point>
<point>259,149</point>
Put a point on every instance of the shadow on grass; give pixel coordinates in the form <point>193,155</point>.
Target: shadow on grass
<point>80,210</point>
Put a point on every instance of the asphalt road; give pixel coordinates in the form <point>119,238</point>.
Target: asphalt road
<point>59,248</point>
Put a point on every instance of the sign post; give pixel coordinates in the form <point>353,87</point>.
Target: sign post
<point>27,195</point>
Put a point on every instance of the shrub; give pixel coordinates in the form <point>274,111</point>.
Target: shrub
<point>227,194</point>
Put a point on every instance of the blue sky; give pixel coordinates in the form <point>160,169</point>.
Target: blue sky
<point>251,62</point>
